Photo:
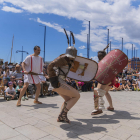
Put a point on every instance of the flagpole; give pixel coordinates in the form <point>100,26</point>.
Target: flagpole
<point>11,49</point>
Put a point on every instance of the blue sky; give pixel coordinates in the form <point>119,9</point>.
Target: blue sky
<point>22,18</point>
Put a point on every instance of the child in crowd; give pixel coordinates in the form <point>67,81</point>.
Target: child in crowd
<point>138,84</point>
<point>129,85</point>
<point>10,92</point>
<point>124,84</point>
<point>80,84</point>
<point>134,85</point>
<point>116,86</point>
<point>18,89</point>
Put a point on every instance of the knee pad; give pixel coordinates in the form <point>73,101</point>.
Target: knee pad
<point>101,92</point>
<point>101,101</point>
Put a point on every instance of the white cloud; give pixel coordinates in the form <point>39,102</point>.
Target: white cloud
<point>95,58</point>
<point>1,1</point>
<point>119,16</point>
<point>11,9</point>
<point>80,54</point>
<point>54,25</point>
<point>32,19</point>
<point>82,47</point>
<point>129,46</point>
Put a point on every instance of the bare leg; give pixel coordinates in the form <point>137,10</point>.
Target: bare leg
<point>66,98</point>
<point>70,92</point>
<point>70,96</point>
<point>23,90</point>
<point>38,86</point>
<point>108,97</point>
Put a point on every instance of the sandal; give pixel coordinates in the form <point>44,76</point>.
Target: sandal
<point>63,115</point>
<point>97,112</point>
<point>110,109</point>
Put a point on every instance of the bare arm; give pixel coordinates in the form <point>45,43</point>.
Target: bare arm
<point>23,66</point>
<point>8,94</point>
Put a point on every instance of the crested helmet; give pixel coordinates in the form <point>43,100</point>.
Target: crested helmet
<point>71,51</point>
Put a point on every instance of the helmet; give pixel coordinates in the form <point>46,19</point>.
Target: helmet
<point>71,52</point>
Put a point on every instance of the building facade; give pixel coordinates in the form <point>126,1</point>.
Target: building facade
<point>134,63</point>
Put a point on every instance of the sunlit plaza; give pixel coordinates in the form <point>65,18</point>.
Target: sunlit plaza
<point>39,122</point>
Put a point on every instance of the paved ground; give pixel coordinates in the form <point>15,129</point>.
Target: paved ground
<point>39,121</point>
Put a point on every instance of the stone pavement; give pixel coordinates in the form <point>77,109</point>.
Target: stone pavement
<point>39,121</point>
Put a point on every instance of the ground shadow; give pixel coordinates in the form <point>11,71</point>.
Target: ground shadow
<point>38,106</point>
<point>80,129</point>
<point>2,100</point>
<point>119,115</point>
<point>89,127</point>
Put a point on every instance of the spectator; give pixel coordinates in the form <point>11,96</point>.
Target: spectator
<point>134,86</point>
<point>5,81</point>
<point>5,65</point>
<point>73,84</point>
<point>124,84</point>
<point>130,79</point>
<point>31,90</point>
<point>116,86</point>
<point>7,73</point>
<point>1,72</point>
<point>1,82</point>
<point>44,83</point>
<point>18,74</point>
<point>138,84</point>
<point>129,85</point>
<point>12,79</point>
<point>13,70</point>
<point>10,92</point>
<point>80,84</point>
<point>19,88</point>
<point>1,86</point>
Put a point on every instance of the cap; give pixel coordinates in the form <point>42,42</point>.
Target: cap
<point>10,83</point>
<point>20,81</point>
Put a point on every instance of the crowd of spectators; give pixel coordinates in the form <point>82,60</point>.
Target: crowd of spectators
<point>11,82</point>
<point>127,80</point>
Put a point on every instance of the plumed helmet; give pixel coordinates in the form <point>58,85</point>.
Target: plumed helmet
<point>71,51</point>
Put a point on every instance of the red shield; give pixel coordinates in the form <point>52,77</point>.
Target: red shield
<point>112,64</point>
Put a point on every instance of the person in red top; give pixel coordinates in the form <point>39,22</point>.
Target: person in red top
<point>116,86</point>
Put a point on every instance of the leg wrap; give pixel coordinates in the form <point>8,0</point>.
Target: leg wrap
<point>98,99</point>
<point>101,101</point>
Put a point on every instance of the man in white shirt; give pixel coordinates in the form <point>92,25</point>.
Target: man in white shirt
<point>32,63</point>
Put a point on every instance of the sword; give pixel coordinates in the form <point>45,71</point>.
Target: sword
<point>106,47</point>
<point>32,73</point>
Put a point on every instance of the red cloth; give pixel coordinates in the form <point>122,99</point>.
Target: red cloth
<point>113,82</point>
<point>117,85</point>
